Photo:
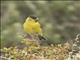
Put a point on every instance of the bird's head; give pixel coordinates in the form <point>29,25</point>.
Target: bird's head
<point>34,18</point>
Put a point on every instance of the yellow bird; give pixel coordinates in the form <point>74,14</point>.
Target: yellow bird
<point>32,26</point>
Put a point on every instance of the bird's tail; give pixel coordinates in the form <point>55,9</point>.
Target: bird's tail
<point>42,37</point>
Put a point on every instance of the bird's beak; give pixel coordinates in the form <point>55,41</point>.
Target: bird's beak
<point>36,19</point>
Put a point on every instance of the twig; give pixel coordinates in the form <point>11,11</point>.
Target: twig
<point>2,57</point>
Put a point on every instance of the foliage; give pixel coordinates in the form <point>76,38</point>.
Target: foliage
<point>33,51</point>
<point>60,19</point>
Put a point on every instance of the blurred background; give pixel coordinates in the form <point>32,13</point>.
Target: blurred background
<point>60,20</point>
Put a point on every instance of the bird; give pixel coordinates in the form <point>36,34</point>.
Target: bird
<point>32,26</point>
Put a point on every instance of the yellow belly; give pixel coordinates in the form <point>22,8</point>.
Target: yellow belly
<point>27,28</point>
<point>32,28</point>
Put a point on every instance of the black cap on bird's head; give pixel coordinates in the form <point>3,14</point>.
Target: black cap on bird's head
<point>34,17</point>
